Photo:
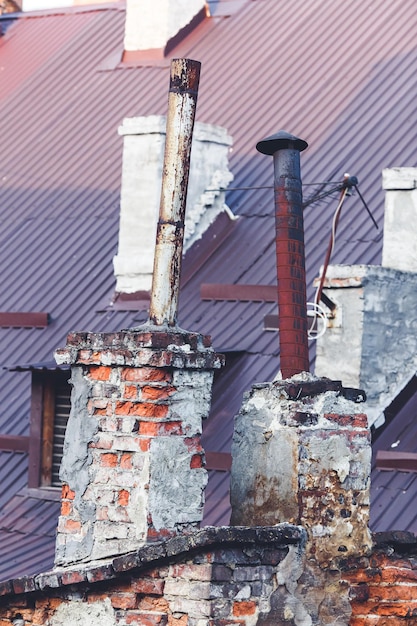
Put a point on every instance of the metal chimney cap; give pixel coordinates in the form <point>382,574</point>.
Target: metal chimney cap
<point>281,141</point>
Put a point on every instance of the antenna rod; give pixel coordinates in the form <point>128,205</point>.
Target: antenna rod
<point>366,207</point>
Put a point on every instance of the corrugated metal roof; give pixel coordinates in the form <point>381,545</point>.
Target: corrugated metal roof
<point>27,527</point>
<point>394,493</point>
<point>345,82</point>
<point>14,469</point>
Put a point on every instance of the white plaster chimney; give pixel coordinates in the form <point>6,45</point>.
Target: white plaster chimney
<point>151,24</point>
<point>371,341</point>
<point>143,153</point>
<point>400,222</point>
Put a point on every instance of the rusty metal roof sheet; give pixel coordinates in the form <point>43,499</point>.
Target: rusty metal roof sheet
<point>346,85</point>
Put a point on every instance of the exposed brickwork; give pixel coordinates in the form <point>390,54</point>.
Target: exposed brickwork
<point>135,426</point>
<point>308,449</point>
<point>224,581</point>
<point>226,576</point>
<point>307,446</point>
<point>383,586</point>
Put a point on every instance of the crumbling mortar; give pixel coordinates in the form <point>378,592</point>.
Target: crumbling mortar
<point>115,376</point>
<point>287,409</point>
<point>56,579</point>
<point>173,355</point>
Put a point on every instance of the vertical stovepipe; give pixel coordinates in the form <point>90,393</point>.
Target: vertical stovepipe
<point>291,275</point>
<point>184,80</point>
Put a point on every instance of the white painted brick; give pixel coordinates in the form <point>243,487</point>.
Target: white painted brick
<point>193,608</point>
<point>127,423</point>
<point>110,530</point>
<point>101,496</point>
<point>127,444</point>
<point>191,589</point>
<point>118,514</point>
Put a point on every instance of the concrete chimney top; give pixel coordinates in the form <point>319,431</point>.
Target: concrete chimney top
<point>399,249</point>
<point>143,149</point>
<point>150,25</point>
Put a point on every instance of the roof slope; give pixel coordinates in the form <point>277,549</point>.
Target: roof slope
<point>27,538</point>
<point>394,491</point>
<point>344,82</point>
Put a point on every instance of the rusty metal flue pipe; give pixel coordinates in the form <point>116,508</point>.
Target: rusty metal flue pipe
<point>290,254</point>
<point>182,101</point>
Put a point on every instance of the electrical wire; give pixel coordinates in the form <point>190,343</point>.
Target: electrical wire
<point>336,220</point>
<point>344,187</point>
<point>330,248</point>
<point>251,187</point>
<point>312,333</point>
<point>317,312</point>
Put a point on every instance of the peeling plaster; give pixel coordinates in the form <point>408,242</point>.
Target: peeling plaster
<point>79,613</point>
<point>81,428</point>
<point>176,492</point>
<point>333,454</point>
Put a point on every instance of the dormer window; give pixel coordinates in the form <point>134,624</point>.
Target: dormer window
<point>50,408</point>
<point>49,412</point>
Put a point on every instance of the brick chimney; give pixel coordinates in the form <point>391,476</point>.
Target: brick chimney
<point>133,465</point>
<point>301,454</point>
<point>143,151</point>
<point>151,25</point>
<point>371,339</point>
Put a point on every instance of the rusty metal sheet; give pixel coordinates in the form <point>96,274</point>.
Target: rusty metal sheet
<point>182,102</point>
<point>242,293</point>
<point>23,319</point>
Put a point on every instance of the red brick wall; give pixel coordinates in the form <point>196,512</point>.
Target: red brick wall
<point>236,577</point>
<point>383,588</point>
<point>219,585</point>
<point>138,401</point>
